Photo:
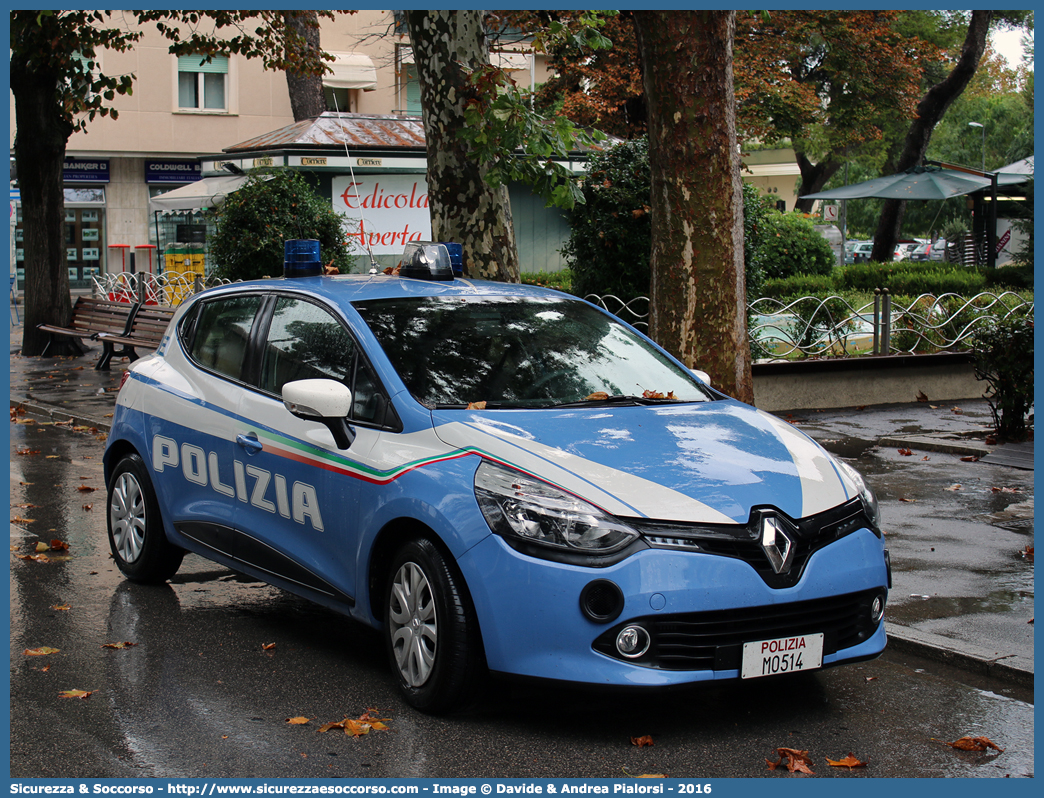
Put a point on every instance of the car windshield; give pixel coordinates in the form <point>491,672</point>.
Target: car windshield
<point>521,352</point>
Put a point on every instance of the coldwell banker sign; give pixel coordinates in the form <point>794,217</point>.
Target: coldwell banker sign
<point>172,171</point>
<point>384,211</point>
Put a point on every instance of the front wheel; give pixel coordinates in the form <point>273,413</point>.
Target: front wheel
<point>139,545</point>
<point>430,630</point>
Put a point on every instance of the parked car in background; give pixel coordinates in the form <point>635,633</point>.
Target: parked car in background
<point>861,252</point>
<point>937,250</point>
<point>920,252</point>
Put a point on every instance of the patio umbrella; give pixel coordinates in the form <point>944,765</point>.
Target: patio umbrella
<point>918,183</point>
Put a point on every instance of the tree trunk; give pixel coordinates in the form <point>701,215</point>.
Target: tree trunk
<point>930,110</point>
<point>306,91</point>
<point>40,153</point>
<point>464,208</point>
<point>813,177</point>
<point>698,292</point>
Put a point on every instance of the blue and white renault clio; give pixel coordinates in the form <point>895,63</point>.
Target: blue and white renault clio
<point>501,478</point>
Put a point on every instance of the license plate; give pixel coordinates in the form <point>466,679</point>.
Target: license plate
<point>782,655</point>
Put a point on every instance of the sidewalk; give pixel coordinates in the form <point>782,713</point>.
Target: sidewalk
<point>959,530</point>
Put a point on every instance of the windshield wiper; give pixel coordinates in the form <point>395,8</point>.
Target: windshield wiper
<point>619,399</point>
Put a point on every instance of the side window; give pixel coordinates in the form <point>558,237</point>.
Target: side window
<point>305,342</point>
<point>222,332</point>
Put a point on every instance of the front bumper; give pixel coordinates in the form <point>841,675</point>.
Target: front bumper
<point>529,611</point>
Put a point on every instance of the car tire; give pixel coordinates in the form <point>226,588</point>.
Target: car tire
<point>136,537</point>
<point>430,630</point>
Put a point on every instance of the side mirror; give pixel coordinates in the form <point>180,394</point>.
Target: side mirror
<point>325,401</point>
<point>702,375</point>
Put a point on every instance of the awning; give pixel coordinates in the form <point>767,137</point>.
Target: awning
<point>205,193</point>
<point>351,71</point>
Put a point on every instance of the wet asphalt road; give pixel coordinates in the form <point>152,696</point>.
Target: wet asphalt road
<point>198,695</point>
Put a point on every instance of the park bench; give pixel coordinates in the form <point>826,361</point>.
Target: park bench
<point>90,319</point>
<point>148,325</point>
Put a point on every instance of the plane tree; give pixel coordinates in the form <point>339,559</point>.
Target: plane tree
<point>59,88</point>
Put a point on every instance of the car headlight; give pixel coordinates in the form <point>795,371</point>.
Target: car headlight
<point>523,508</point>
<point>867,495</point>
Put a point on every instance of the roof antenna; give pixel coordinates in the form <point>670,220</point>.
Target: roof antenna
<point>374,268</point>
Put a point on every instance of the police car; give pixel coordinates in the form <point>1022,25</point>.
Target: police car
<point>501,478</point>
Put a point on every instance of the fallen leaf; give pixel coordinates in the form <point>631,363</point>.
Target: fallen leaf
<point>597,396</point>
<point>477,405</point>
<point>642,741</point>
<point>42,651</point>
<point>906,452</point>
<point>795,760</point>
<point>267,646</point>
<point>957,410</point>
<point>970,459</point>
<point>34,557</point>
<point>41,546</point>
<point>848,762</point>
<point>86,489</point>
<point>26,505</point>
<point>88,507</point>
<point>19,520</point>
<point>75,693</point>
<point>59,545</point>
<point>645,775</point>
<point>990,440</point>
<point>298,721</point>
<point>974,744</point>
<point>926,457</point>
<point>359,726</point>
<point>1028,554</point>
<point>954,486</point>
<point>60,607</point>
<point>124,644</point>
<point>921,397</point>
<point>27,451</point>
<point>652,395</point>
<point>904,499</point>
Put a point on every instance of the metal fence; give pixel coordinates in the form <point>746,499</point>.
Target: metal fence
<point>166,288</point>
<point>779,329</point>
<point>831,327</point>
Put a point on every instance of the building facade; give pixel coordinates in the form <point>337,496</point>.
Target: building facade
<point>186,115</point>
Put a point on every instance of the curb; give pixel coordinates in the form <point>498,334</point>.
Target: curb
<point>58,415</point>
<point>965,656</point>
<point>931,443</point>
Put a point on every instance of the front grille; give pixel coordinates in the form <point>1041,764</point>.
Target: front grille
<point>741,541</point>
<point>713,640</point>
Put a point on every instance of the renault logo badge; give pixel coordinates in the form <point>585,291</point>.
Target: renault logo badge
<point>776,543</point>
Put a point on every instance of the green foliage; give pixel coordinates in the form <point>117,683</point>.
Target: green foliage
<point>253,223</point>
<point>611,237</point>
<point>1004,359</point>
<point>516,143</point>
<point>755,229</point>
<point>797,285</point>
<point>792,246</point>
<point>561,280</point>
<point>912,278</point>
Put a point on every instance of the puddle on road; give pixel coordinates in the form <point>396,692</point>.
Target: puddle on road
<point>918,610</point>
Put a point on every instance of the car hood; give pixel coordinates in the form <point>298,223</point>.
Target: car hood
<point>708,462</point>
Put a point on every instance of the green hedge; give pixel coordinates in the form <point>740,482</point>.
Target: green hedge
<point>905,278</point>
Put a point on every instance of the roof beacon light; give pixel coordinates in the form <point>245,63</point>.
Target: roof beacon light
<point>425,260</point>
<point>301,258</point>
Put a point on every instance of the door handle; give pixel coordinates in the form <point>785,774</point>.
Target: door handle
<point>249,442</point>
